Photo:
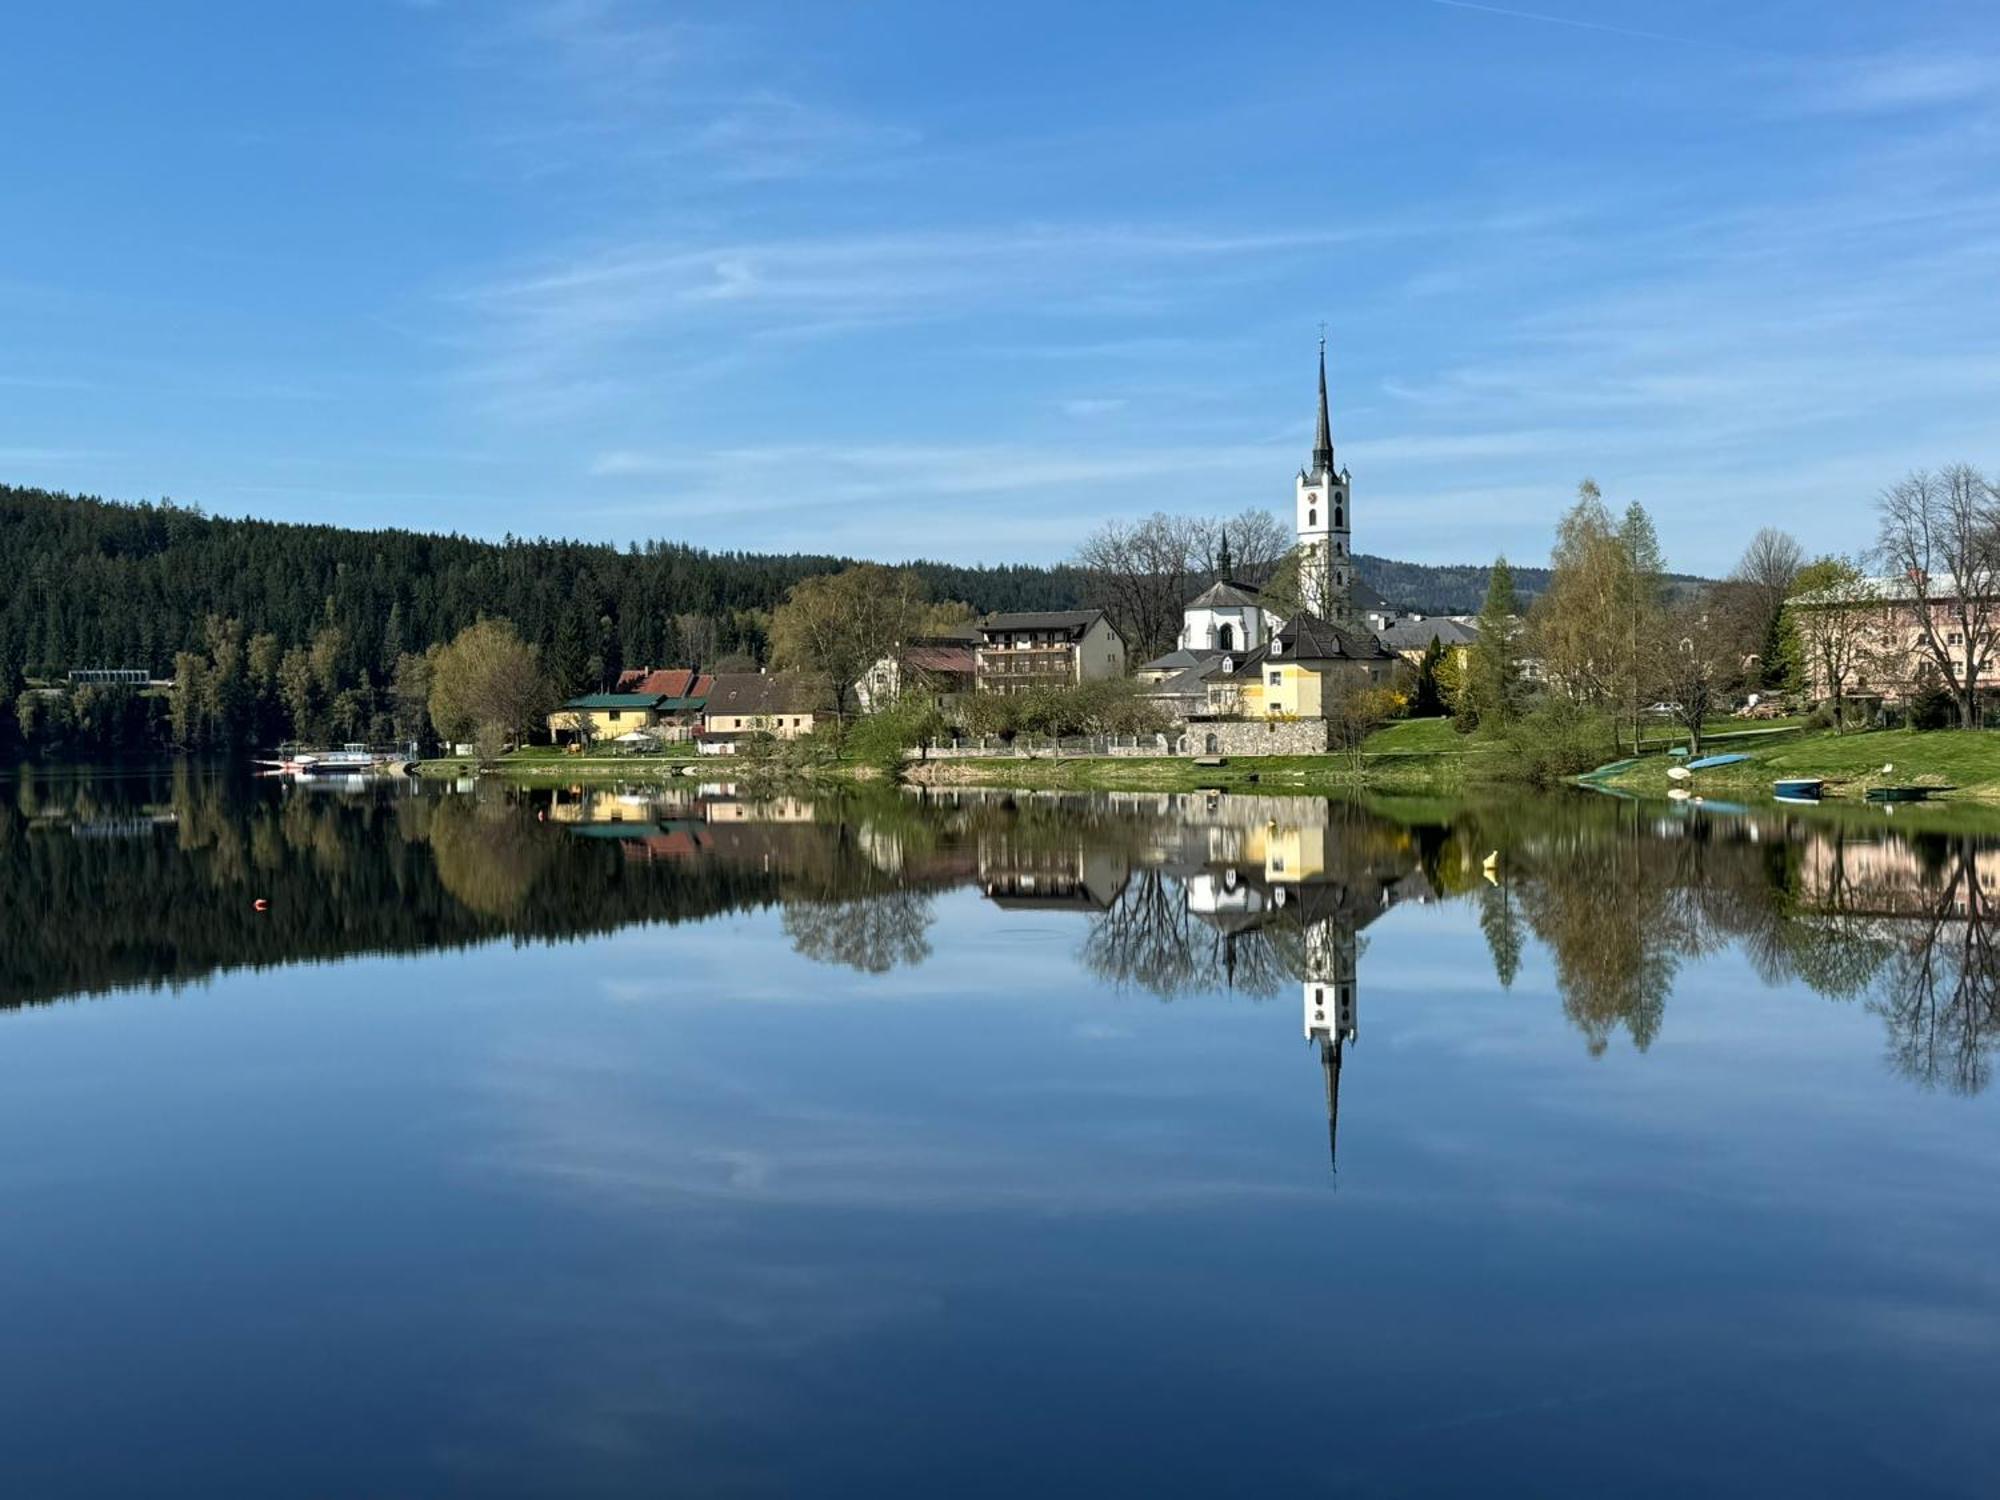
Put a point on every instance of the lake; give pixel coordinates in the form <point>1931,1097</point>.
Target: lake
<point>682,1141</point>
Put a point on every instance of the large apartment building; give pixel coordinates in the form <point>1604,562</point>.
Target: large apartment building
<point>1047,648</point>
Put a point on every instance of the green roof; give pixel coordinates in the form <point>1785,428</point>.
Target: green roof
<point>613,700</point>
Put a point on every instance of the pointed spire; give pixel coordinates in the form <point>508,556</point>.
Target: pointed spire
<point>1222,568</point>
<point>1323,438</point>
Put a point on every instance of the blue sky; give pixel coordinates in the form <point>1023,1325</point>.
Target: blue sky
<point>960,281</point>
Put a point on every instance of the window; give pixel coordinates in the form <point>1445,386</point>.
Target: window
<point>1312,517</point>
<point>1338,512</point>
<point>613,716</point>
<point>1226,638</point>
<point>1276,679</point>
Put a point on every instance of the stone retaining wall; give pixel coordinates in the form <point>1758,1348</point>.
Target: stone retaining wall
<point>1255,737</point>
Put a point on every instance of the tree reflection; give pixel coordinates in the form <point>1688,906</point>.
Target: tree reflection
<point>1170,896</point>
<point>873,933</point>
<point>1940,994</point>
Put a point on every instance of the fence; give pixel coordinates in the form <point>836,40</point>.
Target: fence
<point>1046,747</point>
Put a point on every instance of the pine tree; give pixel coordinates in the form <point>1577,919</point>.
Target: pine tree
<point>1491,690</point>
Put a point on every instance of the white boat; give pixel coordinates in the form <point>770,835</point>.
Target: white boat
<point>349,760</point>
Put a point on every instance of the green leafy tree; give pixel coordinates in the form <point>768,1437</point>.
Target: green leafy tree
<point>1490,688</point>
<point>487,686</point>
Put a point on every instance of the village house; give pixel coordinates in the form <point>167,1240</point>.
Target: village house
<point>1046,648</point>
<point>591,717</point>
<point>1410,636</point>
<point>782,705</point>
<point>664,704</point>
<point>1301,671</point>
<point>944,667</point>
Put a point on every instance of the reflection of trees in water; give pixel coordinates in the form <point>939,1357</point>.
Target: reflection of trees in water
<point>1940,995</point>
<point>1150,940</point>
<point>1500,923</point>
<point>1621,898</point>
<point>871,933</point>
<point>1904,921</point>
<point>486,853</point>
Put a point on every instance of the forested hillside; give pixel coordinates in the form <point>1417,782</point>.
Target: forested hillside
<point>1450,589</point>
<point>92,583</point>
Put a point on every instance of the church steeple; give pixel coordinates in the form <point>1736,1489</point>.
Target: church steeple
<point>1323,437</point>
<point>1222,568</point>
<point>1324,521</point>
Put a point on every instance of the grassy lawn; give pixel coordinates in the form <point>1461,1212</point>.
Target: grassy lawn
<point>553,762</point>
<point>1417,737</point>
<point>1967,759</point>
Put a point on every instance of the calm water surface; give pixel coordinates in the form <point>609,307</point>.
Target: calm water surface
<point>677,1142</point>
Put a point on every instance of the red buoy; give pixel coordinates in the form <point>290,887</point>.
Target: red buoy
<point>261,904</point>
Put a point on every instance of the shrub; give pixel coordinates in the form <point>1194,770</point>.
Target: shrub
<point>1555,741</point>
<point>1931,705</point>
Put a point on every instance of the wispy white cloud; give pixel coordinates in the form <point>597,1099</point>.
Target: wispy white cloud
<point>1573,23</point>
<point>1897,82</point>
<point>547,324</point>
<point>1092,406</point>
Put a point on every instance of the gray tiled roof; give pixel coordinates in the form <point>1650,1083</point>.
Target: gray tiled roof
<point>1225,595</point>
<point>1416,635</point>
<point>1309,638</point>
<point>1073,622</point>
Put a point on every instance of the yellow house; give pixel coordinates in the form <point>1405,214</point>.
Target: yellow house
<point>1300,672</point>
<point>1285,690</point>
<point>603,716</point>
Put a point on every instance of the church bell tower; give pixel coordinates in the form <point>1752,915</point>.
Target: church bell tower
<point>1326,568</point>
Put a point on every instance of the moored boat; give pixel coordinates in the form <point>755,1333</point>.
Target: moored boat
<point>1799,788</point>
<point>1710,762</point>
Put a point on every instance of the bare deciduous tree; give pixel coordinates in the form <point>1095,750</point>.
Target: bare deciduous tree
<point>1941,533</point>
<point>1141,574</point>
<point>1702,662</point>
<point>1756,592</point>
<point>1833,618</point>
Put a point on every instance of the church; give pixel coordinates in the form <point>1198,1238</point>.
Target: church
<point>1239,657</point>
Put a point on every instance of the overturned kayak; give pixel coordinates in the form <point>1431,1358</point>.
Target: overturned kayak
<point>1710,762</point>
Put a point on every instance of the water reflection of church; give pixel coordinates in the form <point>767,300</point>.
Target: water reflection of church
<point>1302,881</point>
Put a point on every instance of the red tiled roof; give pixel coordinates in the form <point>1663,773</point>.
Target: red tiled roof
<point>958,660</point>
<point>665,682</point>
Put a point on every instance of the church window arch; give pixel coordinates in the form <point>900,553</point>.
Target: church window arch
<point>1338,512</point>
<point>1312,516</point>
<point>1225,637</point>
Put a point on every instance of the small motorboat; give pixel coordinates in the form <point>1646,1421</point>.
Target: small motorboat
<point>1798,788</point>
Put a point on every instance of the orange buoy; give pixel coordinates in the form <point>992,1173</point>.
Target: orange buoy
<point>260,904</point>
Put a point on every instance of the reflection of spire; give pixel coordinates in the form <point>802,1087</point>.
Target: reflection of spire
<point>1329,1062</point>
